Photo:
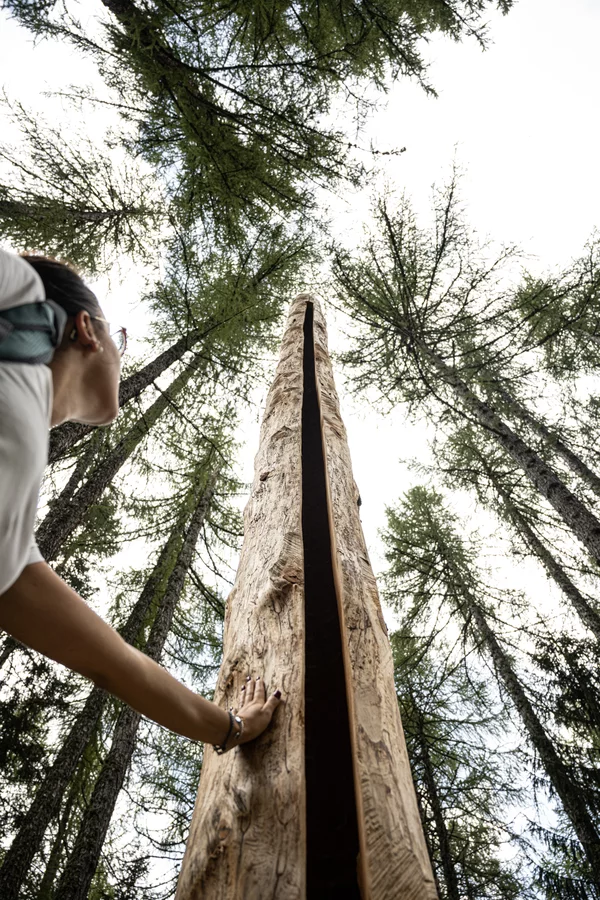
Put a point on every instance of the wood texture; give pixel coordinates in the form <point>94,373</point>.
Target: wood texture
<point>247,839</point>
<point>395,864</point>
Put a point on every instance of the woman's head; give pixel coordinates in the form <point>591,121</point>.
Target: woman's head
<point>86,366</point>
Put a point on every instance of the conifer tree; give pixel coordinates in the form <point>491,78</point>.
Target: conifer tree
<point>431,320</point>
<point>560,315</point>
<point>551,437</point>
<point>77,876</point>
<point>464,783</point>
<point>68,198</point>
<point>236,99</point>
<point>467,459</point>
<point>432,562</point>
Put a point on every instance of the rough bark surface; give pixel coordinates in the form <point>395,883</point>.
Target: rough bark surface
<point>584,609</point>
<point>572,511</point>
<point>247,839</point>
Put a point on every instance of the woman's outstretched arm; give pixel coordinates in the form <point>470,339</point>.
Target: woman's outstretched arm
<point>41,611</point>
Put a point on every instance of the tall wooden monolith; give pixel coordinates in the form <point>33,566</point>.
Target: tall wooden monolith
<point>322,806</point>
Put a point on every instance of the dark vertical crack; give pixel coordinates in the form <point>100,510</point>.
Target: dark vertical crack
<point>331,821</point>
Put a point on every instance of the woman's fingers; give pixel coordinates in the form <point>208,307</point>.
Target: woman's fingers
<point>272,703</point>
<point>259,691</point>
<point>253,694</point>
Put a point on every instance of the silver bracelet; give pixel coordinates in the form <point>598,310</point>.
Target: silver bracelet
<point>236,727</point>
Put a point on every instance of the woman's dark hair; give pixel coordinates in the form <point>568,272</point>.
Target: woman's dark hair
<point>63,285</point>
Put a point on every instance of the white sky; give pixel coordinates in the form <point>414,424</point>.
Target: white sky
<point>520,119</point>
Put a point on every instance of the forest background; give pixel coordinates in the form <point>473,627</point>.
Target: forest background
<point>145,521</point>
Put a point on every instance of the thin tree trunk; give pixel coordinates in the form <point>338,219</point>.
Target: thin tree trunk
<point>78,874</point>
<point>446,860</point>
<point>586,612</point>
<point>46,889</point>
<point>574,462</point>
<point>571,510</point>
<point>68,514</point>
<point>84,461</point>
<point>426,833</point>
<point>570,795</point>
<point>46,802</point>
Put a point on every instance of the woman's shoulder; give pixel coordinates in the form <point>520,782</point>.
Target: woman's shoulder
<point>19,282</point>
<point>25,407</point>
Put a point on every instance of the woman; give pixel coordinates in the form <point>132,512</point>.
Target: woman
<point>59,363</point>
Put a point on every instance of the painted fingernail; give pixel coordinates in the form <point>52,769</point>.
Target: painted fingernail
<point>258,679</point>
<point>249,678</point>
<point>278,694</point>
<point>243,687</point>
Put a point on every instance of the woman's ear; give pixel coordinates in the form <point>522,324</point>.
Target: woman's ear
<point>86,336</point>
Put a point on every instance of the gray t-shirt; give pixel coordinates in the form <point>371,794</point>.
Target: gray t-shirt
<point>25,410</point>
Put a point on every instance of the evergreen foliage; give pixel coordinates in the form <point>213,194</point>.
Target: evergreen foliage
<point>234,98</point>
<point>68,198</point>
<point>463,778</point>
<point>433,568</point>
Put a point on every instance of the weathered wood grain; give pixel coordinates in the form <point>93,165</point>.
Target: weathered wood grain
<point>247,839</point>
<point>394,860</point>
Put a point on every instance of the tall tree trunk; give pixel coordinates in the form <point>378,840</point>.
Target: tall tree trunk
<point>571,510</point>
<point>575,463</point>
<point>66,515</point>
<point>446,860</point>
<point>570,795</point>
<point>46,888</point>
<point>586,612</point>
<point>325,797</point>
<point>46,802</point>
<point>77,876</point>
<point>426,834</point>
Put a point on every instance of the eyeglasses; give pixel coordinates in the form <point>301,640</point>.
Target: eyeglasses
<point>119,337</point>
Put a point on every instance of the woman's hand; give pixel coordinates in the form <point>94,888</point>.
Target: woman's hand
<point>41,611</point>
<point>255,710</point>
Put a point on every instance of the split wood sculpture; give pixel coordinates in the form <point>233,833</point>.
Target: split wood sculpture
<point>322,806</point>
